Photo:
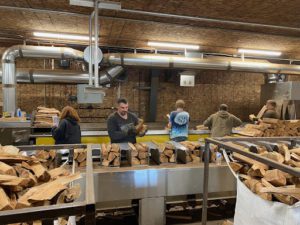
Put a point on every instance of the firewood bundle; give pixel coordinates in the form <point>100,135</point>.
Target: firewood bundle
<point>139,154</point>
<point>26,181</point>
<point>111,155</point>
<point>167,153</point>
<point>194,153</point>
<point>141,128</point>
<point>80,156</point>
<point>272,128</point>
<point>270,183</point>
<point>43,117</point>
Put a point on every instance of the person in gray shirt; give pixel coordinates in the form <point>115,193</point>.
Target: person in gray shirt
<point>222,122</point>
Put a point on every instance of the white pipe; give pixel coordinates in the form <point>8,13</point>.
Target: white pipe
<point>9,67</point>
<point>96,45</point>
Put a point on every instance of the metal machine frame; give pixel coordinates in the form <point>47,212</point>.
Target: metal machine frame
<point>221,142</point>
<point>46,213</point>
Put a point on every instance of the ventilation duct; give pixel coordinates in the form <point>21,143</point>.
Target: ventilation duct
<point>9,67</point>
<point>63,76</point>
<point>217,63</point>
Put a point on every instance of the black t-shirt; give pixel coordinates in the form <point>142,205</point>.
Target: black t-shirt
<point>115,125</point>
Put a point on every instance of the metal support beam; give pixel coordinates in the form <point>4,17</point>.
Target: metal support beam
<point>152,211</point>
<point>153,94</point>
<point>205,183</point>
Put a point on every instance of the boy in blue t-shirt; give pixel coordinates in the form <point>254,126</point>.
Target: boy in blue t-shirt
<point>179,122</point>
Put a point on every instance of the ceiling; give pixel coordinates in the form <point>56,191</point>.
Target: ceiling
<point>218,26</point>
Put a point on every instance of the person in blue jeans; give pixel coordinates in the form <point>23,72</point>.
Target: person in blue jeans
<point>179,122</point>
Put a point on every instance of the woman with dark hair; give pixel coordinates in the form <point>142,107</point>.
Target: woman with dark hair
<point>68,130</point>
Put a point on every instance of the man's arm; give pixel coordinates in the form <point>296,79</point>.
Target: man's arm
<point>236,121</point>
<point>113,130</point>
<point>208,122</point>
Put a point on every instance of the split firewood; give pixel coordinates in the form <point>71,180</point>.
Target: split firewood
<point>294,192</point>
<point>7,169</point>
<point>8,180</point>
<point>195,158</point>
<point>135,161</point>
<point>115,148</point>
<point>235,166</point>
<point>284,150</point>
<point>294,156</point>
<point>42,154</point>
<point>257,170</point>
<point>172,159</point>
<point>39,171</point>
<point>117,161</point>
<point>163,158</point>
<point>249,161</point>
<point>227,222</point>
<point>275,177</point>
<point>275,156</point>
<point>4,201</point>
<point>9,150</point>
<point>24,173</point>
<point>60,171</point>
<point>144,161</point>
<point>16,158</point>
<point>69,195</point>
<point>258,188</point>
<point>105,162</point>
<point>168,152</point>
<point>295,150</point>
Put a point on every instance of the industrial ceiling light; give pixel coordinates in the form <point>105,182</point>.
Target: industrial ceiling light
<point>259,52</point>
<point>173,45</point>
<point>61,36</point>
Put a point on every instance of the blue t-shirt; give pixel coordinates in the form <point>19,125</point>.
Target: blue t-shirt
<point>179,124</point>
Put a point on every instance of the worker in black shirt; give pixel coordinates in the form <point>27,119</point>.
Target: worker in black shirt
<point>121,124</point>
<point>68,130</point>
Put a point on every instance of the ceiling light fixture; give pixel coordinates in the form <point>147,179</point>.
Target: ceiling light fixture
<point>62,36</point>
<point>173,45</point>
<point>259,52</point>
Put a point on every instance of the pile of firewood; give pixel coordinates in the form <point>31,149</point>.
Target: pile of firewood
<point>43,117</point>
<point>167,153</point>
<point>139,154</point>
<point>272,128</point>
<point>194,152</point>
<point>51,158</point>
<point>269,183</point>
<point>27,182</point>
<point>111,155</point>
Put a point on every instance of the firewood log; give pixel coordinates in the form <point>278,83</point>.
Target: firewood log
<point>275,177</point>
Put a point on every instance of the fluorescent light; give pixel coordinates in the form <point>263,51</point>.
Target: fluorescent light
<point>172,45</point>
<point>259,52</point>
<point>62,36</point>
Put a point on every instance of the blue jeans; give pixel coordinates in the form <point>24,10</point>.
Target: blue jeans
<point>179,139</point>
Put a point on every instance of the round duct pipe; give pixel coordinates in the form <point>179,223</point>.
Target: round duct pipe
<point>63,76</point>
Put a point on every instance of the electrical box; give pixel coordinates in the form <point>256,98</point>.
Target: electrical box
<point>187,80</point>
<point>88,98</point>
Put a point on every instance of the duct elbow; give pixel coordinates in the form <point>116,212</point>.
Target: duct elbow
<point>11,54</point>
<point>108,75</point>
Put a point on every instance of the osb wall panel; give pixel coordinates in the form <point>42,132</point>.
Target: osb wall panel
<point>241,91</point>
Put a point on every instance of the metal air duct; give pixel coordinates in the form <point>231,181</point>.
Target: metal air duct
<point>9,67</point>
<point>63,76</point>
<point>181,62</point>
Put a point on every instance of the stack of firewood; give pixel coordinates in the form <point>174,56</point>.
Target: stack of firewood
<point>44,117</point>
<point>272,128</point>
<point>194,153</point>
<point>139,154</point>
<point>27,182</point>
<point>167,153</point>
<point>111,154</point>
<point>269,183</point>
